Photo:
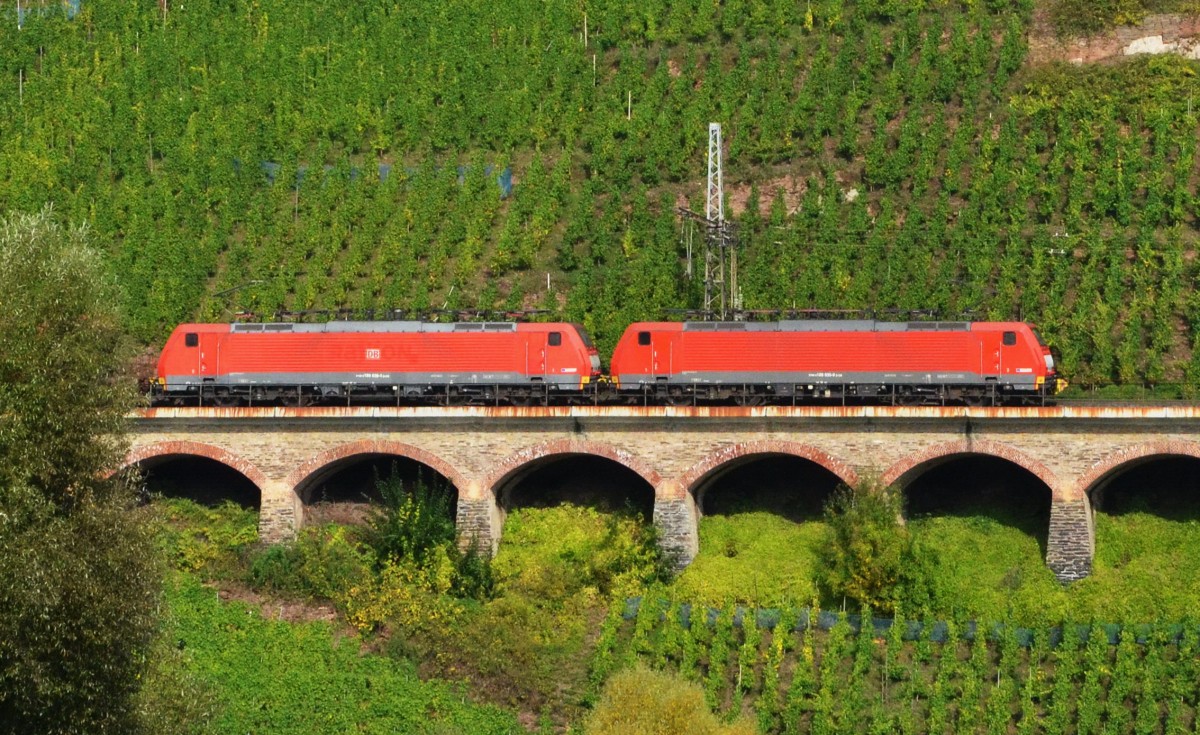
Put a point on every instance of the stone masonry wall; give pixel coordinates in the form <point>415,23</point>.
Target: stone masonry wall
<point>1071,544</point>
<point>677,521</point>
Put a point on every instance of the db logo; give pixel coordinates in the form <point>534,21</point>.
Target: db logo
<point>372,353</point>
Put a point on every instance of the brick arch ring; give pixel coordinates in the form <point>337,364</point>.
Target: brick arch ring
<point>723,456</point>
<point>315,464</point>
<point>516,461</point>
<point>195,449</point>
<point>1107,465</point>
<point>898,472</point>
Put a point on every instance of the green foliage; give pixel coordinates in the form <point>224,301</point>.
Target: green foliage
<point>314,678</point>
<point>78,613</point>
<point>209,541</point>
<point>474,577</point>
<point>411,521</point>
<point>530,644</point>
<point>554,553</point>
<point>79,577</point>
<point>64,365</point>
<point>652,703</point>
<point>276,568</point>
<point>975,682</point>
<point>1093,16</point>
<point>172,699</point>
<point>753,558</point>
<point>979,567</point>
<point>868,555</point>
<point>416,521</point>
<point>324,562</point>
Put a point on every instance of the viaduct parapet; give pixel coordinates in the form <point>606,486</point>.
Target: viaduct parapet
<point>285,452</point>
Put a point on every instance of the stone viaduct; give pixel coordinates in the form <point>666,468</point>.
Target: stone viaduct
<point>1074,451</point>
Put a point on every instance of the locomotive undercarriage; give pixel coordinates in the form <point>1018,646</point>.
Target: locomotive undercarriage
<point>834,394</point>
<point>600,393</point>
<point>361,394</point>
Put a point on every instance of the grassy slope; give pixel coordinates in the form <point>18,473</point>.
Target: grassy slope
<point>277,677</point>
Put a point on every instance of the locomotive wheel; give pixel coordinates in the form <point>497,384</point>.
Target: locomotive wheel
<point>749,400</point>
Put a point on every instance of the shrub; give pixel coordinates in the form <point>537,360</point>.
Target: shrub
<point>205,540</point>
<point>554,553</point>
<point>331,563</point>
<point>411,521</point>
<point>276,569</point>
<point>79,576</point>
<point>474,576</point>
<point>651,703</point>
<point>1093,16</point>
<point>405,595</point>
<point>172,699</point>
<point>869,554</point>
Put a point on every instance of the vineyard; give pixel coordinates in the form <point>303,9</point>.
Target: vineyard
<point>881,156</point>
<point>794,678</point>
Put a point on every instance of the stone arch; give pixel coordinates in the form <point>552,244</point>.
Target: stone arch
<point>1109,465</point>
<point>314,465</point>
<point>902,472</point>
<point>726,455</point>
<point>140,454</point>
<point>522,459</point>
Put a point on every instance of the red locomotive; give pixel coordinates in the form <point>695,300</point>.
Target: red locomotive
<point>374,362</point>
<point>835,361</point>
<point>490,363</point>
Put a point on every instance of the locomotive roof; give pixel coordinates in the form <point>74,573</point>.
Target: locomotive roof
<point>389,327</point>
<point>827,325</point>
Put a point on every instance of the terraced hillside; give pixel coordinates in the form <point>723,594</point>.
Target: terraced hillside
<point>228,155</point>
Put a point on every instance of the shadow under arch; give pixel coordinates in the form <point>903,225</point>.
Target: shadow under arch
<point>570,470</point>
<point>759,474</point>
<point>356,465</point>
<point>305,477</point>
<point>207,473</point>
<point>983,481</point>
<point>1160,477</point>
<point>903,472</point>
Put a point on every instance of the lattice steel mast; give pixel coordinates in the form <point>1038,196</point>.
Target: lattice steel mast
<point>720,239</point>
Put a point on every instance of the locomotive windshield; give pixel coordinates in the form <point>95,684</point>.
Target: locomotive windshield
<point>1037,335</point>
<point>587,339</point>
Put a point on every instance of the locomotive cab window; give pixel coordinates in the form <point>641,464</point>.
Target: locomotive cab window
<point>191,339</point>
<point>555,339</point>
<point>643,338</point>
<point>1010,339</point>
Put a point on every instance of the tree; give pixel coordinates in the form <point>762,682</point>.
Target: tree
<point>78,579</point>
